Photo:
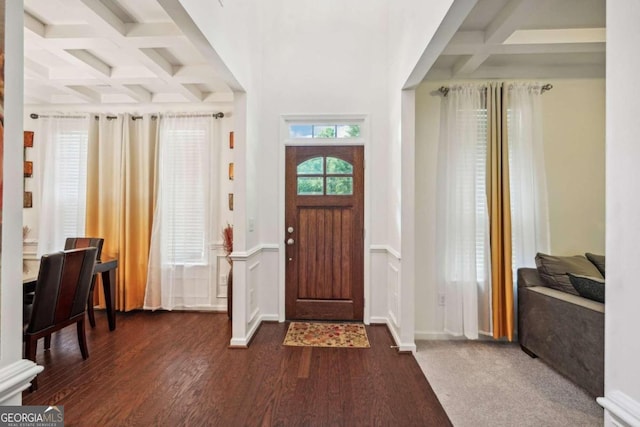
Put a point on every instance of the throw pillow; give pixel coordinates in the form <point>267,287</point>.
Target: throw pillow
<point>553,270</point>
<point>597,260</point>
<point>588,287</point>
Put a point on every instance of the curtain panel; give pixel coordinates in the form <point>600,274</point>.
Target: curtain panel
<point>492,214</point>
<point>120,198</point>
<point>499,203</point>
<point>461,216</point>
<point>184,217</point>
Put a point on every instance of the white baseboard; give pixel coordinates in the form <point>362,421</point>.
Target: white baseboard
<point>244,342</point>
<point>403,347</point>
<point>15,378</point>
<point>437,335</point>
<point>621,407</point>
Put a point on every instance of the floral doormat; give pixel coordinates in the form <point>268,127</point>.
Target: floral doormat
<point>317,334</point>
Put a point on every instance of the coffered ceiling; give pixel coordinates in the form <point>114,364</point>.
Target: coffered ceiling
<point>526,39</point>
<point>117,52</point>
<point>148,51</point>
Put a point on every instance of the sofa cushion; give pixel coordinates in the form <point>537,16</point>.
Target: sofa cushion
<point>597,260</point>
<point>589,287</point>
<point>554,269</point>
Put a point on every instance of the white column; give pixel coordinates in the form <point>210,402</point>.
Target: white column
<point>15,373</point>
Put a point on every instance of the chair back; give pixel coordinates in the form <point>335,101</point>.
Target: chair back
<point>85,242</point>
<point>62,288</point>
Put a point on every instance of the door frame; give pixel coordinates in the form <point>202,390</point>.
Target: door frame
<point>285,140</point>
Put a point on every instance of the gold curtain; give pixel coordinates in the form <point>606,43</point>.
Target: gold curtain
<point>499,206</point>
<point>120,199</point>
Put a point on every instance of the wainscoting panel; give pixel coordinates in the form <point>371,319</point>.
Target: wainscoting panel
<point>253,277</point>
<point>393,293</point>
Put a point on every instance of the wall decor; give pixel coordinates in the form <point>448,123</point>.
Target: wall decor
<point>231,140</point>
<point>230,201</point>
<point>28,169</point>
<point>27,201</point>
<point>231,171</point>
<point>28,138</point>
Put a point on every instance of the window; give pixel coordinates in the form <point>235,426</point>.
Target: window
<point>71,180</point>
<point>328,131</point>
<point>185,190</point>
<point>60,163</point>
<point>329,176</point>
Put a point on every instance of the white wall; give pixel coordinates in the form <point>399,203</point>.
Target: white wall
<point>323,58</point>
<point>622,347</point>
<point>574,135</point>
<point>574,155</point>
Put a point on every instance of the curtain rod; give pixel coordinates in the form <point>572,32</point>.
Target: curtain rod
<point>444,90</point>
<point>215,116</point>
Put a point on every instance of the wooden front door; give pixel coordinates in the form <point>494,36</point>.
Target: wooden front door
<point>324,232</point>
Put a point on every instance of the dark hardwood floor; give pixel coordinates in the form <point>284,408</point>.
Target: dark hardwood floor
<point>174,368</point>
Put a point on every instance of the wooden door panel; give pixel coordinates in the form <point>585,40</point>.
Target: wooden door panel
<point>324,272</point>
<point>324,267</point>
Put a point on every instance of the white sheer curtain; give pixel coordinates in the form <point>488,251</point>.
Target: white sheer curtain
<point>462,222</point>
<point>179,273</point>
<point>60,164</point>
<point>529,202</point>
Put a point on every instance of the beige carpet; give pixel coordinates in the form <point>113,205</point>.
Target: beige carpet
<point>482,383</point>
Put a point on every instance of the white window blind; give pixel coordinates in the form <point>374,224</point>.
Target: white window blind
<point>481,194</point>
<point>185,177</point>
<point>71,180</point>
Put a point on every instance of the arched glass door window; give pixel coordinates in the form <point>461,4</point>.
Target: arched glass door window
<point>328,176</point>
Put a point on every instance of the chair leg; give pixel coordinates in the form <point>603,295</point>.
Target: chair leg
<point>82,339</point>
<point>30,347</point>
<point>92,318</point>
<point>47,342</point>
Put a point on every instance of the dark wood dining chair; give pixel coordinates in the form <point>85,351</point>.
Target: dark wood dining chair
<point>60,299</point>
<point>87,242</point>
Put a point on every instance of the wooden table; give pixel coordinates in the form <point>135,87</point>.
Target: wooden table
<point>107,270</point>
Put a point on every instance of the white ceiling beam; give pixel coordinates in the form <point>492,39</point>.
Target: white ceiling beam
<point>85,93</point>
<point>194,73</point>
<point>75,36</point>
<point>192,92</point>
<point>467,65</point>
<point>157,62</point>
<point>558,36</point>
<point>514,49</point>
<point>34,25</point>
<point>158,29</point>
<point>508,20</point>
<point>71,31</point>
<point>138,93</point>
<point>92,61</point>
<point>102,17</point>
<point>33,68</point>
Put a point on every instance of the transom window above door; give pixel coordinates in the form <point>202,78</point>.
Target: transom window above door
<point>325,131</point>
<point>330,176</point>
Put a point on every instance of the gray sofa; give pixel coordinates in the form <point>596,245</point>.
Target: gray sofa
<point>565,331</point>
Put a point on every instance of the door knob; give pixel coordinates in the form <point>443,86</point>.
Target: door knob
<point>289,241</point>
<point>290,230</point>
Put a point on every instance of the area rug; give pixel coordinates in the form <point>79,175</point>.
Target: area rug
<point>318,334</point>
